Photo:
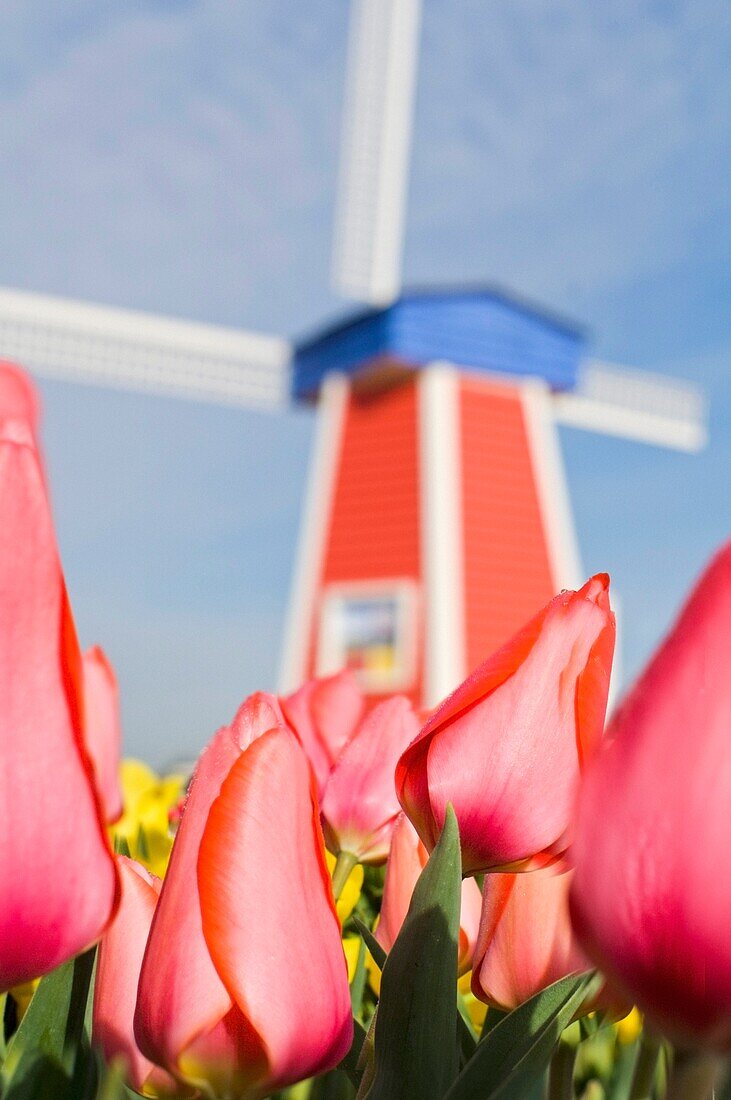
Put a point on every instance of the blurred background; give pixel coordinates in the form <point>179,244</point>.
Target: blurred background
<point>181,157</point>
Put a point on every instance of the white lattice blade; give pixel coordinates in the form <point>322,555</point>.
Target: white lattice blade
<point>77,341</point>
<point>376,144</point>
<point>636,405</point>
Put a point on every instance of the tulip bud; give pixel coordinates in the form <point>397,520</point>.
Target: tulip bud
<point>117,974</point>
<point>103,728</point>
<point>180,992</point>
<point>651,899</point>
<point>360,805</point>
<point>246,926</point>
<point>525,942</point>
<point>407,858</point>
<point>507,747</point>
<point>324,714</point>
<point>59,880</point>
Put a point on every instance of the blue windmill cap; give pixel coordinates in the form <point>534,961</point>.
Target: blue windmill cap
<point>479,328</point>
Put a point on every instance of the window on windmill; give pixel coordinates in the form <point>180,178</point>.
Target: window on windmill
<point>370,627</point>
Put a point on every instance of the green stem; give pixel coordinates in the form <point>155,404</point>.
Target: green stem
<point>646,1066</point>
<point>695,1076</point>
<point>561,1073</point>
<point>344,864</point>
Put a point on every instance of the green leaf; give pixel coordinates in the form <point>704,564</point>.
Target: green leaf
<point>357,986</point>
<point>53,1027</point>
<point>332,1086</point>
<point>416,1028</point>
<point>111,1083</point>
<point>143,848</point>
<point>377,952</point>
<point>349,1063</point>
<point>623,1071</point>
<point>121,846</point>
<point>515,1054</point>
<point>38,1077</point>
<point>466,1033</point>
<point>3,1002</point>
<point>493,1018</point>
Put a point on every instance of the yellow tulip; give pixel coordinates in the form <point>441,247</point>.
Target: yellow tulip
<point>350,893</point>
<point>145,823</point>
<point>629,1028</point>
<point>351,947</point>
<point>476,1009</point>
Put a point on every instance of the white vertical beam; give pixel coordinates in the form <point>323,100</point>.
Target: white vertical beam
<point>550,478</point>
<point>314,525</point>
<point>376,144</point>
<point>442,530</point>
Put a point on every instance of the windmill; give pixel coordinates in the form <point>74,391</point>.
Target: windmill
<point>437,517</point>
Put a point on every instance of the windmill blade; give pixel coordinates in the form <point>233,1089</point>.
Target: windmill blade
<point>376,143</point>
<point>635,405</point>
<point>79,342</point>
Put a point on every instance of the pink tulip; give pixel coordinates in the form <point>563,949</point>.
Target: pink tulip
<point>117,974</point>
<point>102,727</point>
<point>245,927</point>
<point>406,860</point>
<point>59,880</point>
<point>525,941</point>
<point>180,992</point>
<point>651,899</point>
<point>272,927</point>
<point>507,747</point>
<point>324,714</point>
<point>360,806</point>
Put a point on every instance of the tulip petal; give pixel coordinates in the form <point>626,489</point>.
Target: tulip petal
<point>102,728</point>
<point>59,881</point>
<point>651,899</point>
<point>411,771</point>
<point>525,941</point>
<point>469,923</point>
<point>337,709</point>
<point>117,974</point>
<point>360,805</point>
<point>268,914</point>
<point>592,684</point>
<point>228,1060</point>
<point>324,715</point>
<point>523,721</point>
<point>181,995</point>
<point>406,860</point>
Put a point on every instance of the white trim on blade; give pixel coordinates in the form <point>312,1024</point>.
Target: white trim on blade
<point>442,531</point>
<point>553,497</point>
<point>314,529</point>
<point>376,144</point>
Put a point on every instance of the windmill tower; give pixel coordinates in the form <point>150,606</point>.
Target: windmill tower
<point>437,518</point>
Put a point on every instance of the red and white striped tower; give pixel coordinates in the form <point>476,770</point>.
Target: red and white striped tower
<point>437,521</point>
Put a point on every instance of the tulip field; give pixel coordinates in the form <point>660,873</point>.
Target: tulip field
<point>509,897</point>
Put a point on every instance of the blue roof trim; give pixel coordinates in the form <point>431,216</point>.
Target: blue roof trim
<point>476,328</point>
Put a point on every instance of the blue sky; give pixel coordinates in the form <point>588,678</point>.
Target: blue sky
<point>181,157</point>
